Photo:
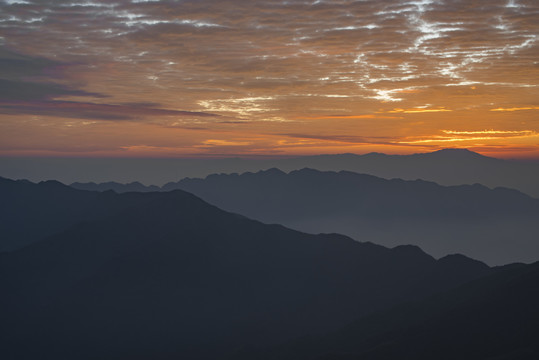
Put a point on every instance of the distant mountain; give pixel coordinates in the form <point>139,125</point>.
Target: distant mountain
<point>494,317</point>
<point>497,226</point>
<point>114,186</point>
<point>446,167</point>
<point>170,276</point>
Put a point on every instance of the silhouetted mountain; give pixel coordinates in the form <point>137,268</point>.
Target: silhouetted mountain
<point>114,186</point>
<point>446,167</point>
<point>170,276</point>
<point>31,212</point>
<point>494,317</point>
<point>497,226</point>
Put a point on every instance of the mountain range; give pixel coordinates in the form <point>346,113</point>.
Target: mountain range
<point>497,226</point>
<point>446,167</point>
<point>165,275</point>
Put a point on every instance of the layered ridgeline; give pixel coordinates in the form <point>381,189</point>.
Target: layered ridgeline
<point>166,275</point>
<point>498,226</point>
<point>445,167</point>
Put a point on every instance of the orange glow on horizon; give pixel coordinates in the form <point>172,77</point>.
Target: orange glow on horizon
<point>516,108</point>
<point>418,110</point>
<point>366,116</point>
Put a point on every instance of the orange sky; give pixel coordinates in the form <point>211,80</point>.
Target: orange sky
<point>245,78</point>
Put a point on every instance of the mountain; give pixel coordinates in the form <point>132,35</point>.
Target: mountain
<point>30,212</point>
<point>446,167</point>
<point>114,186</point>
<point>498,226</point>
<point>170,276</point>
<point>494,317</point>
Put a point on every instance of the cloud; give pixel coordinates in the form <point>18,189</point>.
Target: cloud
<point>217,142</point>
<point>19,96</point>
<point>343,138</point>
<point>364,116</point>
<point>477,137</point>
<point>27,91</point>
<point>490,132</point>
<point>80,110</point>
<point>259,60</point>
<point>418,110</point>
<point>372,45</point>
<point>27,78</point>
<point>516,108</point>
<point>16,66</point>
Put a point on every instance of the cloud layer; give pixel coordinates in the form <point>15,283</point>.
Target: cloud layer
<point>366,70</point>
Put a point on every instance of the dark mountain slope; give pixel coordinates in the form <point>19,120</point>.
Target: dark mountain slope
<point>173,277</point>
<point>498,226</point>
<point>31,212</point>
<point>495,317</point>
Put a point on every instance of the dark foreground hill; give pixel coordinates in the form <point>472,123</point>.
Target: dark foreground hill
<point>495,317</point>
<point>497,226</point>
<point>169,276</point>
<point>31,212</point>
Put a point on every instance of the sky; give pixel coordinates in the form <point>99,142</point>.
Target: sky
<point>213,78</point>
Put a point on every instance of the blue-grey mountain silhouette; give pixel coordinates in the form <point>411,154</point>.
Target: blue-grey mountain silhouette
<point>498,226</point>
<point>446,167</point>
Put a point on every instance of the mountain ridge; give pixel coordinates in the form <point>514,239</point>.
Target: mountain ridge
<point>477,221</point>
<point>171,275</point>
<point>446,167</point>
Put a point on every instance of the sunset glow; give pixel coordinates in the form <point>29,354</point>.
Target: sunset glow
<point>268,78</point>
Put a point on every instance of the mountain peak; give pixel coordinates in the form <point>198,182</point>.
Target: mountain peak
<point>456,152</point>
<point>272,171</point>
<point>307,170</point>
<point>376,154</point>
<point>455,258</point>
<point>53,184</point>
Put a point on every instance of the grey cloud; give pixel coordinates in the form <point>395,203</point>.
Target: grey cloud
<point>344,138</point>
<point>91,111</point>
<point>18,96</point>
<point>21,90</point>
<point>16,66</point>
<point>24,77</point>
